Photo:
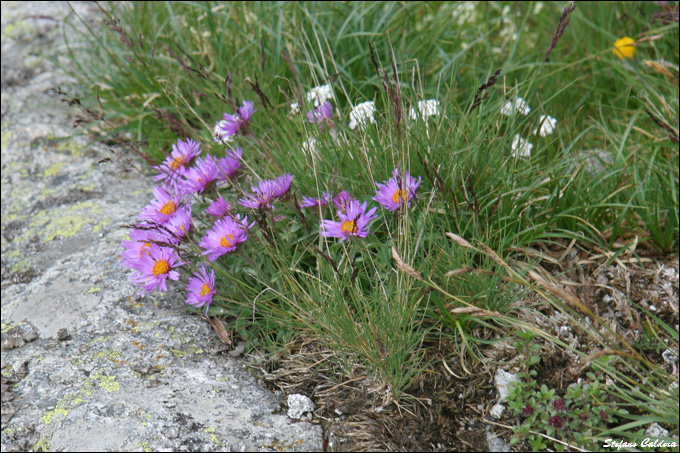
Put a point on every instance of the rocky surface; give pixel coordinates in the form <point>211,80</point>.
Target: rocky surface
<point>87,365</point>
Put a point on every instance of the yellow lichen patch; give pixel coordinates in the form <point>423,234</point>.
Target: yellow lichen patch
<point>146,446</point>
<point>98,340</point>
<point>71,147</point>
<point>109,383</point>
<point>49,416</point>
<point>94,289</point>
<point>69,221</point>
<point>42,445</point>
<point>210,430</point>
<point>5,136</point>
<point>54,169</point>
<point>104,223</point>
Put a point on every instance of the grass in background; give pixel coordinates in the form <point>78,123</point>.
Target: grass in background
<point>607,179</point>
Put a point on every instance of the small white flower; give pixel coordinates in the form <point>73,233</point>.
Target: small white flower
<point>319,95</point>
<point>521,147</point>
<point>309,145</point>
<point>362,113</point>
<point>217,134</point>
<point>519,105</point>
<point>547,125</point>
<point>427,109</point>
<point>294,108</point>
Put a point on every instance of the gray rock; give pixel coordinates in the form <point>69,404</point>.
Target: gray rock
<point>88,365</point>
<point>503,379</point>
<point>298,405</point>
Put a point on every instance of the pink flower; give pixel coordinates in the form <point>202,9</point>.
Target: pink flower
<point>266,191</point>
<point>228,165</point>
<point>198,177</point>
<point>321,114</point>
<point>231,124</point>
<point>140,242</point>
<point>353,222</point>
<point>155,267</point>
<point>180,223</point>
<point>397,190</point>
<point>223,237</point>
<point>201,289</point>
<point>309,202</point>
<point>219,207</point>
<point>162,208</point>
<point>342,200</point>
<point>175,164</point>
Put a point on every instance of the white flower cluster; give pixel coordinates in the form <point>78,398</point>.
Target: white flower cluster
<point>547,123</point>
<point>521,147</point>
<point>518,105</point>
<point>427,109</point>
<point>317,96</point>
<point>361,114</point>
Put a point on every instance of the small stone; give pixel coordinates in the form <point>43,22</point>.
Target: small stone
<point>298,405</point>
<point>503,379</point>
<point>497,411</point>
<point>655,430</point>
<point>63,335</point>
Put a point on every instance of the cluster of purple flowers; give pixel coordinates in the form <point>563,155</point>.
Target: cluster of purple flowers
<point>156,245</point>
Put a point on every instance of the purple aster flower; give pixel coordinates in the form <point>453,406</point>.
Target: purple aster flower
<point>321,114</point>
<point>180,223</point>
<point>175,164</point>
<point>309,202</point>
<point>266,191</point>
<point>342,200</point>
<point>230,124</point>
<point>223,237</point>
<point>219,207</point>
<point>201,289</point>
<point>162,208</point>
<point>198,177</point>
<point>353,222</point>
<point>228,165</point>
<point>140,242</point>
<point>283,184</point>
<point>397,190</point>
<point>155,267</point>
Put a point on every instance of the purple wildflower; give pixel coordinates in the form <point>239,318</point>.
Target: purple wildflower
<point>224,236</point>
<point>528,410</point>
<point>342,200</point>
<point>283,184</point>
<point>321,114</point>
<point>230,124</point>
<point>219,207</point>
<point>228,165</point>
<point>201,289</point>
<point>175,164</point>
<point>397,190</point>
<point>180,223</point>
<point>309,202</point>
<point>155,267</point>
<point>140,242</point>
<point>559,404</point>
<point>162,208</point>
<point>266,191</point>
<point>353,222</point>
<point>198,177</point>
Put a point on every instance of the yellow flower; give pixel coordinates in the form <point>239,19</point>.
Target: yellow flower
<point>624,48</point>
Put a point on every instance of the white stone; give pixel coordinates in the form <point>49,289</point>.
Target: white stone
<point>502,380</point>
<point>298,405</point>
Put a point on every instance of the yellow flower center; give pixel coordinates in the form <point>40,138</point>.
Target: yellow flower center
<point>205,289</point>
<point>225,242</point>
<point>168,208</point>
<point>349,227</point>
<point>177,163</point>
<point>399,194</point>
<point>624,48</point>
<point>160,267</point>
<point>142,251</point>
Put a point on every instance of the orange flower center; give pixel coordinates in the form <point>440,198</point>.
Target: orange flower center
<point>177,163</point>
<point>160,267</point>
<point>349,227</point>
<point>147,245</point>
<point>225,242</point>
<point>399,194</point>
<point>205,289</point>
<point>168,208</point>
